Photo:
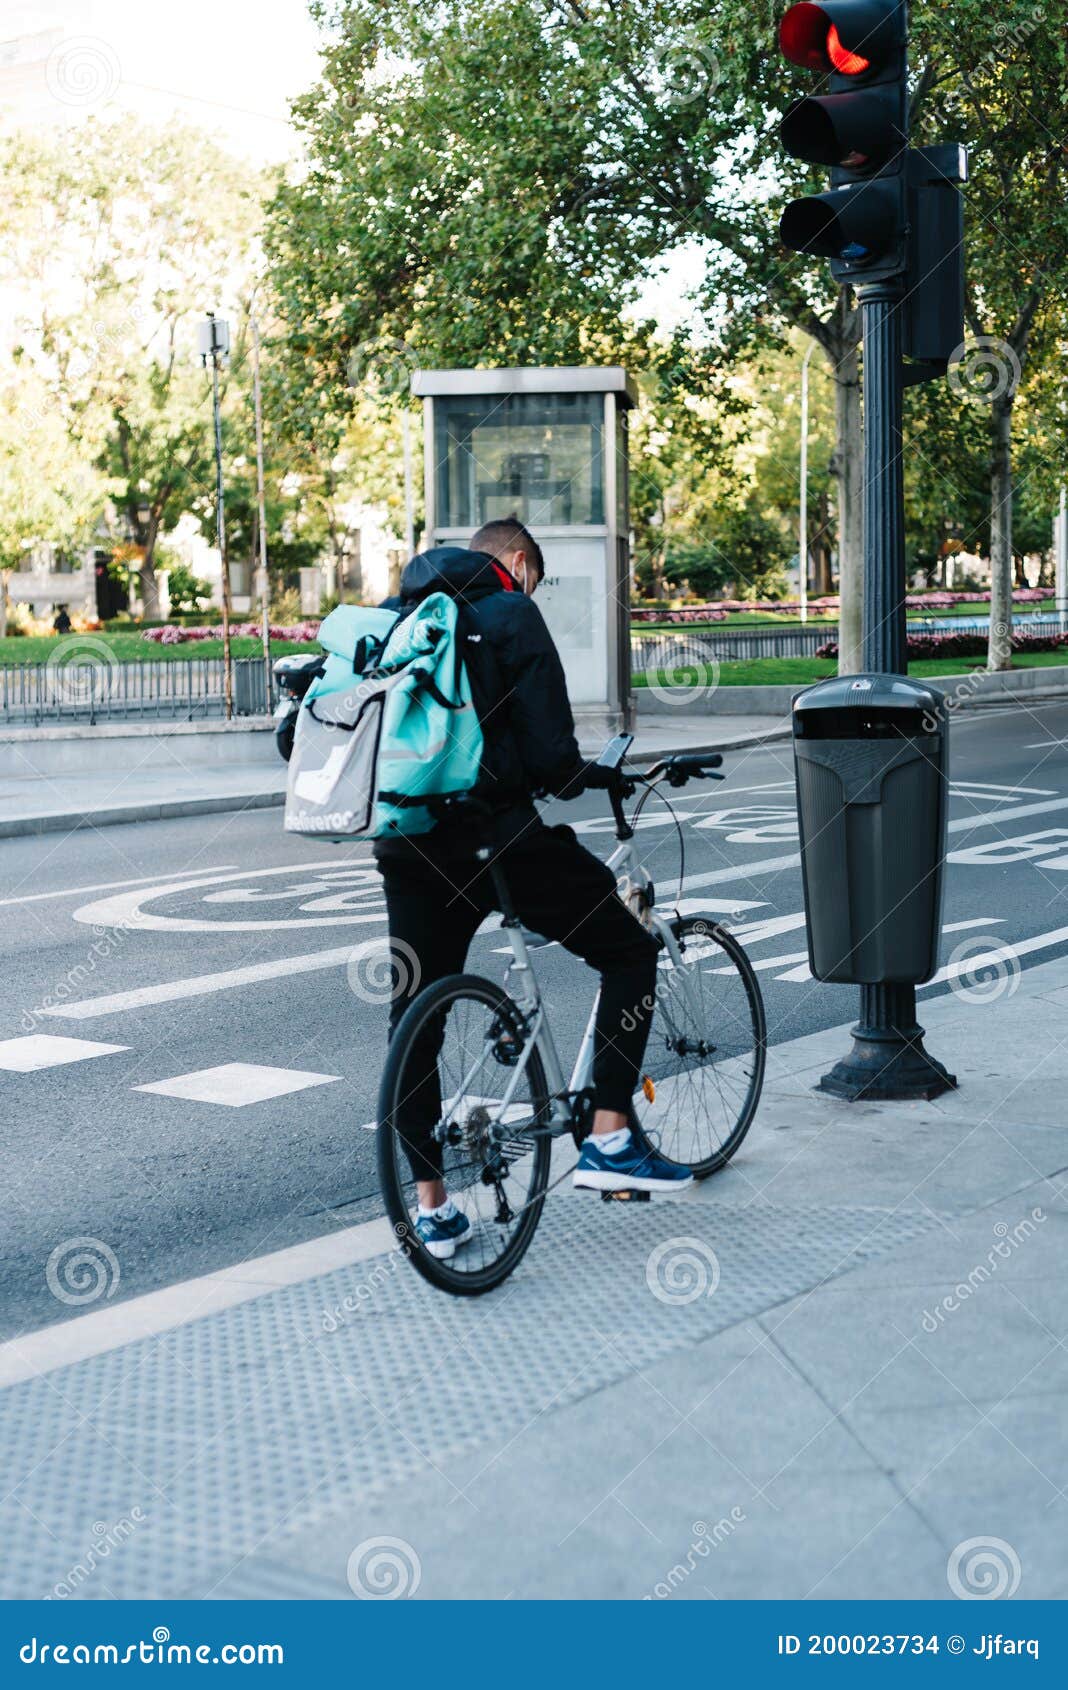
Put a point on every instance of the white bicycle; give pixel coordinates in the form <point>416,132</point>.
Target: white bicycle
<point>482,1060</point>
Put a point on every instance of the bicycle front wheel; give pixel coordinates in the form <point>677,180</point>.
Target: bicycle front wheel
<point>704,1064</point>
<point>465,1084</point>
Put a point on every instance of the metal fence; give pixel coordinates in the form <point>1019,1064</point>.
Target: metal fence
<point>667,652</point>
<point>98,690</point>
<point>688,651</point>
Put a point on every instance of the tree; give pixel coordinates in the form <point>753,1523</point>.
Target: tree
<point>48,492</point>
<point>117,236</point>
<point>490,181</point>
<point>185,589</point>
<point>1002,82</point>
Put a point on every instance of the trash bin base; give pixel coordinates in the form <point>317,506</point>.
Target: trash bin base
<point>888,1059</point>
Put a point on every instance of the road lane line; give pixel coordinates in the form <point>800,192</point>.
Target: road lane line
<point>112,885</point>
<point>175,1305</point>
<point>800,976</point>
<point>200,985</point>
<point>1003,953</point>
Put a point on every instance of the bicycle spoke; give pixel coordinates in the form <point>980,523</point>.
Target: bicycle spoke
<point>705,1053</point>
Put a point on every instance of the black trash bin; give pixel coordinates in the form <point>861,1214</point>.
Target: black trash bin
<point>871,760</point>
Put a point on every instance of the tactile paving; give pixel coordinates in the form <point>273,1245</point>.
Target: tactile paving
<point>314,1396</point>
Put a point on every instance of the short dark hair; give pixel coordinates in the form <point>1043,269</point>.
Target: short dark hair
<point>507,533</point>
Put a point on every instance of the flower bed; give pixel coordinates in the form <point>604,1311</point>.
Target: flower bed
<point>964,645</point>
<point>791,607</point>
<point>300,633</point>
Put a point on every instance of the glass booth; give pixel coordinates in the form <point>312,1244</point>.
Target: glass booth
<point>550,447</point>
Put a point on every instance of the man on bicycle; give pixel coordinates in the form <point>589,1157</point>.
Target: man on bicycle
<point>437,894</point>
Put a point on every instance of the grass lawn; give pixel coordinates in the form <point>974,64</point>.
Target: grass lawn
<point>131,648</point>
<point>799,671</point>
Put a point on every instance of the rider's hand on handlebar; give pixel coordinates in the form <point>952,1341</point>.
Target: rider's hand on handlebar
<point>600,779</point>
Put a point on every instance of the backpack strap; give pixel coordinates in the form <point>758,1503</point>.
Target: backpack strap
<point>427,685</point>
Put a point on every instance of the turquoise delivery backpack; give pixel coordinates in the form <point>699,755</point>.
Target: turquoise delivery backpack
<point>389,724</point>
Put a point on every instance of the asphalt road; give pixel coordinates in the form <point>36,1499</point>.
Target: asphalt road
<point>189,945</point>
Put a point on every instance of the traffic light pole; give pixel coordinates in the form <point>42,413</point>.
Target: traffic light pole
<point>888,1059</point>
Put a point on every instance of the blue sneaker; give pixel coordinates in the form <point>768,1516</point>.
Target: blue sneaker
<point>443,1238</point>
<point>629,1169</point>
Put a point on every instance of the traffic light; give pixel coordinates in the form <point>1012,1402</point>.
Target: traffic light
<point>858,127</point>
<point>933,328</point>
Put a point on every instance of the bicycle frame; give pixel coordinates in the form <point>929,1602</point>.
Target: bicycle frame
<point>522,982</point>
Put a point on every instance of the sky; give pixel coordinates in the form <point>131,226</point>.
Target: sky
<point>230,66</point>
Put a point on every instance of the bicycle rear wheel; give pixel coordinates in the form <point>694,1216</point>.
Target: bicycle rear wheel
<point>704,1064</point>
<point>460,1059</point>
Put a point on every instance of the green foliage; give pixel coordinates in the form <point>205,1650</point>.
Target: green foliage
<point>186,590</point>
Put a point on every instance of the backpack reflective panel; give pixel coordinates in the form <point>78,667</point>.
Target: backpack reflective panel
<point>389,724</point>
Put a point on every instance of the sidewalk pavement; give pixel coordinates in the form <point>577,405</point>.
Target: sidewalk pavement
<point>836,1369</point>
<point>137,790</point>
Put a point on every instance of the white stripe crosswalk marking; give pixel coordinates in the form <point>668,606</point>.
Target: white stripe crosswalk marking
<point>236,1084</point>
<point>48,1050</point>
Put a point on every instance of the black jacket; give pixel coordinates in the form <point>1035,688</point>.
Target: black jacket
<point>517,684</point>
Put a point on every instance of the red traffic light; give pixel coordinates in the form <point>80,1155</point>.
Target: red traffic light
<point>844,37</point>
<point>843,61</point>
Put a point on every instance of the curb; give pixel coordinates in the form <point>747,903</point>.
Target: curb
<point>19,827</point>
<point>740,742</point>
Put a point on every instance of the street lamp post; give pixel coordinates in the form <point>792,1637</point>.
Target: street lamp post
<point>802,550</point>
<point>1060,532</point>
<point>215,346</point>
<point>265,626</point>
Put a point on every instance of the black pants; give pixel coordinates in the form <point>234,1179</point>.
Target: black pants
<point>558,889</point>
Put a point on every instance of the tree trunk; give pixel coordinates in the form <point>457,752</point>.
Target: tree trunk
<point>849,471</point>
<point>149,587</point>
<point>823,584</point>
<point>1000,646</point>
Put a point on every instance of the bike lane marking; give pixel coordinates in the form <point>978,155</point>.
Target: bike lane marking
<point>126,909</point>
<point>199,985</point>
<point>110,885</point>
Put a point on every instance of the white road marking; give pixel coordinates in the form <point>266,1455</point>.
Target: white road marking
<point>984,818</point>
<point>714,906</point>
<point>755,932</point>
<point>199,985</point>
<point>683,906</point>
<point>967,786</point>
<point>122,1323</point>
<point>49,1050</point>
<point>108,885</point>
<point>1003,953</point>
<point>799,976</point>
<point>235,1084</point>
<point>125,910</point>
<point>770,962</point>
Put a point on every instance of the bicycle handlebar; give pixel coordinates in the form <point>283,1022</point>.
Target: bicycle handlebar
<point>694,766</point>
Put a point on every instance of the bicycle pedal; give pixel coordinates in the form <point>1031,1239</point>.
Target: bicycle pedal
<point>625,1196</point>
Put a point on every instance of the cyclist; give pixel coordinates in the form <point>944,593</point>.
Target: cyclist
<point>437,895</point>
